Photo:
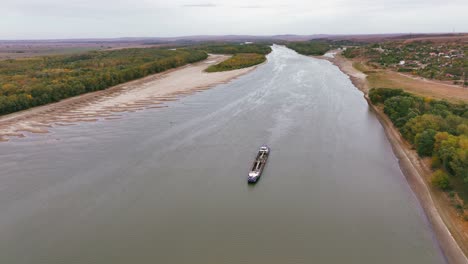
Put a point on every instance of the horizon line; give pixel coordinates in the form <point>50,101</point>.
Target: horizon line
<point>229,35</point>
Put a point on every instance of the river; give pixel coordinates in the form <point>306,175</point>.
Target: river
<point>169,185</point>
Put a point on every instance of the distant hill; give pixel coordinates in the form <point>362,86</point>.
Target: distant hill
<point>240,38</point>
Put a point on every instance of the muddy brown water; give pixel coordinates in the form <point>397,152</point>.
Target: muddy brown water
<point>169,185</point>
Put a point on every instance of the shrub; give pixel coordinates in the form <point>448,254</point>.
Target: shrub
<point>435,162</point>
<point>440,180</point>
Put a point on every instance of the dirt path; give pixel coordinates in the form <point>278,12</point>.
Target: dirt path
<point>449,231</point>
<point>148,92</point>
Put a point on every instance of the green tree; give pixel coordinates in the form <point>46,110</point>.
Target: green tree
<point>425,142</point>
<point>379,95</point>
<point>400,109</point>
<point>447,151</point>
<point>420,123</point>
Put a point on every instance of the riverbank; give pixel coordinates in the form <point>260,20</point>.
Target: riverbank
<point>148,92</point>
<point>449,230</point>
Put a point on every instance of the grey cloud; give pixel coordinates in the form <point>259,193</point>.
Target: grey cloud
<point>110,18</point>
<point>252,6</point>
<point>200,5</point>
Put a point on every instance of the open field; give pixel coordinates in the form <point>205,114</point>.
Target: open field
<point>17,50</point>
<point>8,52</point>
<point>27,49</point>
<point>374,38</point>
<point>437,39</point>
<point>378,78</point>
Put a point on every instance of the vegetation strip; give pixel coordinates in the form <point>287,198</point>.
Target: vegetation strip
<point>309,48</point>
<point>318,47</point>
<point>238,61</point>
<point>234,48</point>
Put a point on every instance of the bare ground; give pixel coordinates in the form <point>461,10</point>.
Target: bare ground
<point>450,230</point>
<point>149,92</point>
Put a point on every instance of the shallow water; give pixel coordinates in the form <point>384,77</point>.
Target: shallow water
<point>170,185</point>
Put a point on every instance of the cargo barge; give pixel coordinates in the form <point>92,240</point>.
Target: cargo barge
<point>259,164</point>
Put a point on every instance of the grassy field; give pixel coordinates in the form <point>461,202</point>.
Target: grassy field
<point>30,48</point>
<point>6,54</point>
<point>238,61</point>
<point>379,78</point>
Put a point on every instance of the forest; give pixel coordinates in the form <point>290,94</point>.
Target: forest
<point>26,83</point>
<point>437,129</point>
<point>238,61</point>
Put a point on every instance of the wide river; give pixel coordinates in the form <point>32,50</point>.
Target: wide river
<point>170,185</point>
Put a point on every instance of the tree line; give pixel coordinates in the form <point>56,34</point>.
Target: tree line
<point>26,83</point>
<point>436,128</point>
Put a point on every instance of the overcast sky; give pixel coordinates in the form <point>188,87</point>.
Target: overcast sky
<point>36,19</point>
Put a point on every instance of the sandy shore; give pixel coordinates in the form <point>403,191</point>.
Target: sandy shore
<point>149,92</point>
<point>450,235</point>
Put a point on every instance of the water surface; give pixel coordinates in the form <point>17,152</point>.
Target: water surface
<point>170,185</point>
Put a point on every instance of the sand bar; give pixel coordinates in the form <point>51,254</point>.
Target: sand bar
<point>148,92</point>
